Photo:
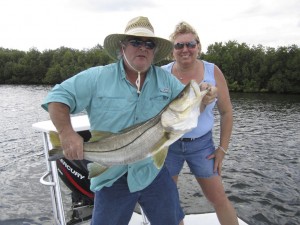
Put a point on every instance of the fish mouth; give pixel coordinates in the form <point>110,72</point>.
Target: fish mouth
<point>196,89</point>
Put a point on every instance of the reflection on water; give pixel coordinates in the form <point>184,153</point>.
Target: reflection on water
<point>261,173</point>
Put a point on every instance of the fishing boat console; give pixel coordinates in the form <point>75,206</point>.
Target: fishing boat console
<point>75,177</point>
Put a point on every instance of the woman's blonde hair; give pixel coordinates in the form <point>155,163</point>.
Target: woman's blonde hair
<point>185,28</point>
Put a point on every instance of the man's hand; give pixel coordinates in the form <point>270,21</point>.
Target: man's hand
<point>72,145</point>
<point>71,142</point>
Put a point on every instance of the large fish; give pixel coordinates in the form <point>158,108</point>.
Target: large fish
<point>150,138</point>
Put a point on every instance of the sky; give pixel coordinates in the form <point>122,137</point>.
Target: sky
<point>83,24</point>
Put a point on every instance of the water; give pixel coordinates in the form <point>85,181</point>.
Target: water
<point>261,173</point>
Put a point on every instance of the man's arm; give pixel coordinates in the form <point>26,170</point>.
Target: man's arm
<point>72,143</point>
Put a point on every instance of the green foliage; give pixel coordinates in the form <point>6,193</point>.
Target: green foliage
<point>247,69</point>
<point>48,67</point>
<point>257,69</point>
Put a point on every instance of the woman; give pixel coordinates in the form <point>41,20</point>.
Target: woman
<point>197,147</point>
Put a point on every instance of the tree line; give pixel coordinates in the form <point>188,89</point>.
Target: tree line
<point>247,69</point>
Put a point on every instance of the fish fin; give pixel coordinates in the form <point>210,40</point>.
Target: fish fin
<point>95,169</point>
<point>159,158</point>
<point>54,139</point>
<point>97,135</point>
<point>159,151</point>
<point>161,143</point>
<point>55,154</point>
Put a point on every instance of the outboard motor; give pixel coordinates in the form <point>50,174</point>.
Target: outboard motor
<point>75,176</point>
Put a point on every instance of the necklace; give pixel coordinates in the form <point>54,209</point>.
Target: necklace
<point>179,75</point>
<point>189,74</point>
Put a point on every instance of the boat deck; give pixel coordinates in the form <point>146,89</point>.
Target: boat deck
<point>51,179</point>
<point>192,219</point>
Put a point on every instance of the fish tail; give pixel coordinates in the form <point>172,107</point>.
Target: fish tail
<point>55,154</point>
<point>54,139</point>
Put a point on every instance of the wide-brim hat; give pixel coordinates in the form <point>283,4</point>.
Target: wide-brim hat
<point>138,27</point>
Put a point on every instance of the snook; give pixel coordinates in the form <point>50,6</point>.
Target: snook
<point>150,138</point>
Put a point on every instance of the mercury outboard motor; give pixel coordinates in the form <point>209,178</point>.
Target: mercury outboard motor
<point>75,176</point>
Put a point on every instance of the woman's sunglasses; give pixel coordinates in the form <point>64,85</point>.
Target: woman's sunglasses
<point>190,45</point>
<point>138,43</point>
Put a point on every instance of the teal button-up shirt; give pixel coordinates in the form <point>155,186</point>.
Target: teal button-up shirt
<point>112,104</point>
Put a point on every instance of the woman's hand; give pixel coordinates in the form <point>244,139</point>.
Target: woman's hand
<point>210,96</point>
<point>218,155</point>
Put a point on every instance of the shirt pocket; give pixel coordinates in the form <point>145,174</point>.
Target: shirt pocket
<point>156,103</point>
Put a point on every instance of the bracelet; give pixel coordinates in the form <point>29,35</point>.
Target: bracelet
<point>220,147</point>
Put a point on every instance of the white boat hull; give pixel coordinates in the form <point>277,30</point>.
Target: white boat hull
<point>192,219</point>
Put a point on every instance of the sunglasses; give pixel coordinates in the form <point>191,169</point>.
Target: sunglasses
<point>138,43</point>
<point>190,45</point>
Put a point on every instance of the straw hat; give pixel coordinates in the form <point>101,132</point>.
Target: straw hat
<point>138,27</point>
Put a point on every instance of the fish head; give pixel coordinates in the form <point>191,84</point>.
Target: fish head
<point>181,115</point>
<point>188,97</point>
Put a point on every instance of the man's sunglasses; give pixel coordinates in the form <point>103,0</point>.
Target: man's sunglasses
<point>138,43</point>
<point>180,45</point>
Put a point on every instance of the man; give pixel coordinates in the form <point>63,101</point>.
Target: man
<point>117,96</point>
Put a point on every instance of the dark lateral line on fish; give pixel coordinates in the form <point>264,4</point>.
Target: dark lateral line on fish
<point>153,118</point>
<point>158,116</point>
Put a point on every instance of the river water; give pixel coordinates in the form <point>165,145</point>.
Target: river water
<point>261,174</point>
